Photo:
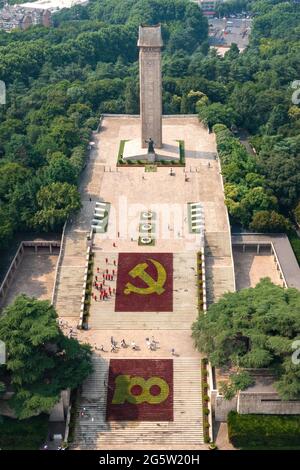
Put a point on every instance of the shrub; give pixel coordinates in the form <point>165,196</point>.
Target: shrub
<point>181,152</point>
<point>269,431</point>
<point>269,221</point>
<point>295,242</point>
<point>297,213</point>
<point>27,434</point>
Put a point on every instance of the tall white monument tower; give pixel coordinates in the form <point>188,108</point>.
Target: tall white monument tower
<point>150,44</point>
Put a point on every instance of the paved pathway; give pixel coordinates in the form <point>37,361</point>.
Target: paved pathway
<point>131,191</point>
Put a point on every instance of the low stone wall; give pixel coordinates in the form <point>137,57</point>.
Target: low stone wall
<point>266,403</point>
<point>252,403</point>
<point>85,279</point>
<point>58,264</point>
<point>84,287</point>
<point>203,280</point>
<point>222,407</point>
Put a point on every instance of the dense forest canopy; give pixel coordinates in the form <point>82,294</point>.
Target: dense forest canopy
<point>41,360</point>
<point>60,80</point>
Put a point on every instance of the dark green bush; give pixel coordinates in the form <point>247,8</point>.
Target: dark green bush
<point>295,242</point>
<point>269,431</point>
<point>181,152</point>
<point>27,434</point>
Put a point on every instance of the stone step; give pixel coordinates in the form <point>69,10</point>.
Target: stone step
<point>186,429</point>
<point>144,326</point>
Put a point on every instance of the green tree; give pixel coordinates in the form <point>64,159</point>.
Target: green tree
<point>60,169</point>
<point>254,328</point>
<point>239,381</point>
<point>57,202</point>
<point>6,226</point>
<point>269,221</point>
<point>11,174</point>
<point>41,361</point>
<point>297,213</point>
<point>217,113</point>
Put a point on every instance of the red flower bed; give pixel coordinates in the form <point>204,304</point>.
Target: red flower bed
<point>145,282</point>
<point>140,390</point>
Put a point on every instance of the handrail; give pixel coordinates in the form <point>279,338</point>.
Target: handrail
<point>227,218</point>
<point>279,265</point>
<point>58,264</point>
<point>11,267</point>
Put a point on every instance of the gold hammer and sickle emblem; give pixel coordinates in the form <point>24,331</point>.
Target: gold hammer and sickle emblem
<point>154,286</point>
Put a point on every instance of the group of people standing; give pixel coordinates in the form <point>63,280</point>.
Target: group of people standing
<point>101,283</point>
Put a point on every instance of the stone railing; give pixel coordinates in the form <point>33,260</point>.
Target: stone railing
<point>278,266</point>
<point>85,279</point>
<point>203,281</point>
<point>58,264</point>
<point>100,123</point>
<point>227,220</point>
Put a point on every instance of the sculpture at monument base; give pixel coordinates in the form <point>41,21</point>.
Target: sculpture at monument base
<point>150,145</point>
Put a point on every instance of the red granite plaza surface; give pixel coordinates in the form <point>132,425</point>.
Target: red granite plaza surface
<point>155,374</point>
<point>145,282</point>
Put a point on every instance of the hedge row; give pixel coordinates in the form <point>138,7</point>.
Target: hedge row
<point>27,434</point>
<point>295,242</point>
<point>268,431</point>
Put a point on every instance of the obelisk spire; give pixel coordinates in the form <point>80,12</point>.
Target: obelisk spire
<point>150,44</point>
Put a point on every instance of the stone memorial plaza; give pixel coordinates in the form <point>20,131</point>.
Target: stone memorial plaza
<point>167,310</point>
<point>148,252</point>
<point>141,228</point>
<point>150,248</point>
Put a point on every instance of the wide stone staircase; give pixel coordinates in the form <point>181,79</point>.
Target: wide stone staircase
<point>71,274</point>
<point>219,265</point>
<point>103,316</point>
<point>142,321</point>
<point>92,431</point>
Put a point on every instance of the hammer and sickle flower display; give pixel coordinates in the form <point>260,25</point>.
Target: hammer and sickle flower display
<point>154,286</point>
<point>145,282</point>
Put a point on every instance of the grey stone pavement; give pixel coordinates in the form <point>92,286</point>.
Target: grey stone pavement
<point>283,249</point>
